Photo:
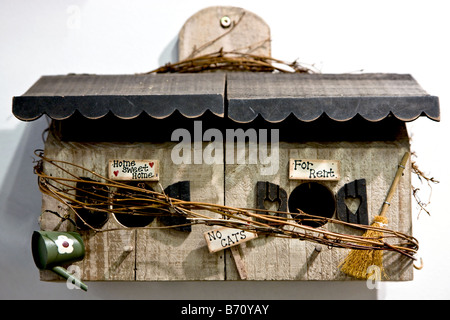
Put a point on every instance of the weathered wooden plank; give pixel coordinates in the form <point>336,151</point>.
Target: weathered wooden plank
<point>266,258</point>
<point>174,254</point>
<point>109,255</point>
<point>240,30</point>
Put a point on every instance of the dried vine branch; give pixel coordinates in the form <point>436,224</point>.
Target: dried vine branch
<point>415,191</point>
<point>136,200</point>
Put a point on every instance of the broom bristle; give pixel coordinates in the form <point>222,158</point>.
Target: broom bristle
<point>358,261</point>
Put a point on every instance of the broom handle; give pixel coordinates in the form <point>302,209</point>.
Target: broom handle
<point>399,173</point>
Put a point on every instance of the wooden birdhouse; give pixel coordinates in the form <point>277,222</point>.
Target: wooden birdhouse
<point>328,145</point>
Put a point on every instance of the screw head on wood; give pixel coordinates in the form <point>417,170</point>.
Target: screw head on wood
<point>225,22</point>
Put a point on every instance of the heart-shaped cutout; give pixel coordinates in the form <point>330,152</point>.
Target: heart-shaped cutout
<point>271,205</point>
<point>352,204</point>
<point>116,172</point>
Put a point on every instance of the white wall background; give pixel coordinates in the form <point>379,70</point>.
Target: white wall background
<point>123,37</point>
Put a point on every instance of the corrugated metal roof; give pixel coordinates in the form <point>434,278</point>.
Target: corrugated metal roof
<point>273,96</point>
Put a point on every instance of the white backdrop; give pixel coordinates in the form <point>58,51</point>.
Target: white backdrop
<point>123,37</point>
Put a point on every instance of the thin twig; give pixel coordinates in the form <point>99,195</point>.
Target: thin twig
<point>415,191</point>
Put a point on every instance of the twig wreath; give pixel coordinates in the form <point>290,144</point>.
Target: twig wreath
<point>232,61</point>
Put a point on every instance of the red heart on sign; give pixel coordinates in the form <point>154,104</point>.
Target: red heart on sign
<point>151,164</point>
<point>116,172</point>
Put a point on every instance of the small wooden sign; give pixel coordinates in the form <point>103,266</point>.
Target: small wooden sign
<point>222,238</point>
<point>307,169</point>
<point>140,170</point>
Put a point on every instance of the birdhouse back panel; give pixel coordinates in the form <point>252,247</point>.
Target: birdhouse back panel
<point>281,145</point>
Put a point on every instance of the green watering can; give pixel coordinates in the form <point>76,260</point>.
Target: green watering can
<point>52,248</point>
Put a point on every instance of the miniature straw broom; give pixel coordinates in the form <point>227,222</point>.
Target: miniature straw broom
<point>358,261</point>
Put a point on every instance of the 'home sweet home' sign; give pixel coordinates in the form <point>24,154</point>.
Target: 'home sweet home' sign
<point>139,170</point>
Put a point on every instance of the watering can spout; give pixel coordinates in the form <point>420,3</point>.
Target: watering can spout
<point>66,275</point>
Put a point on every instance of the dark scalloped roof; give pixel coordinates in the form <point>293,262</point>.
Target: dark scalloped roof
<point>240,96</point>
<point>125,96</point>
<point>339,96</point>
